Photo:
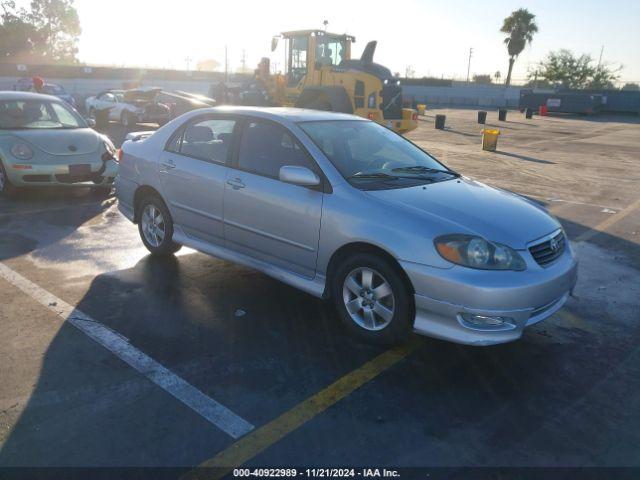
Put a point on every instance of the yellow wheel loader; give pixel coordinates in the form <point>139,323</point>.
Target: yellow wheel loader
<point>320,74</point>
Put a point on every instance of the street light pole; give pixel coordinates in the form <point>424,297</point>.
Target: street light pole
<point>469,64</point>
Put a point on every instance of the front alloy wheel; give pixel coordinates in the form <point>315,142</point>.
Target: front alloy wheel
<point>368,298</point>
<point>372,298</point>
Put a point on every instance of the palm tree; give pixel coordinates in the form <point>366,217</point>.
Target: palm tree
<point>520,27</point>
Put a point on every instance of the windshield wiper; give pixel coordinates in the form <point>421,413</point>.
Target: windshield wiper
<point>422,169</point>
<point>382,175</point>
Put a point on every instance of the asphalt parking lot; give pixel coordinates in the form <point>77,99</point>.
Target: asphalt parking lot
<point>178,341</point>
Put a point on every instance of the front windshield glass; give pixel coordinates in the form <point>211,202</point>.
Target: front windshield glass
<point>34,114</point>
<point>363,150</point>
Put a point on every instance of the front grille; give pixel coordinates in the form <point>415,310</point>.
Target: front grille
<point>548,251</point>
<point>391,102</point>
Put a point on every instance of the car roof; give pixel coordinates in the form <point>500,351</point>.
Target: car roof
<point>11,95</point>
<point>283,113</point>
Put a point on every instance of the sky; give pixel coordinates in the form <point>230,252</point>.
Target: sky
<point>431,36</point>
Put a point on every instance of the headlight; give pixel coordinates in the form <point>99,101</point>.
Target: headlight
<point>476,252</point>
<point>22,151</point>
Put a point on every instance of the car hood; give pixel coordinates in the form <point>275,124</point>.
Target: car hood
<point>473,207</point>
<point>61,141</point>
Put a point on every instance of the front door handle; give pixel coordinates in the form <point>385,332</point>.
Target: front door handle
<point>236,183</point>
<point>168,165</point>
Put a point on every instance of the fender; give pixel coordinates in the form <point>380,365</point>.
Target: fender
<point>337,96</point>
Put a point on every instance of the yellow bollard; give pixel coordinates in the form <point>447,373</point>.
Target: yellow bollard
<point>490,139</point>
<point>421,108</point>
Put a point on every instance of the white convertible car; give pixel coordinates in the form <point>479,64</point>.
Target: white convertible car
<point>139,105</point>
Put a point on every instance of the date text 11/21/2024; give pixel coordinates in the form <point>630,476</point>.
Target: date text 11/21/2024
<point>316,472</point>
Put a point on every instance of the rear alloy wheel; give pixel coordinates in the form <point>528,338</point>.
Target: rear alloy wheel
<point>6,188</point>
<point>156,227</point>
<point>372,299</point>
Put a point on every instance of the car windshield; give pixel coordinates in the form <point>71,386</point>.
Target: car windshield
<point>35,114</point>
<point>368,152</point>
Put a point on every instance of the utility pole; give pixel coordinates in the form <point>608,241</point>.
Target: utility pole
<point>243,62</point>
<point>469,64</point>
<point>325,23</point>
<point>226,65</point>
<point>188,60</point>
<point>600,59</point>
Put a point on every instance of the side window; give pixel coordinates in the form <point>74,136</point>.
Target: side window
<point>265,147</point>
<point>208,140</point>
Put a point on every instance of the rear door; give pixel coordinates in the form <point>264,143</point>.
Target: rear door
<point>192,174</point>
<point>265,218</point>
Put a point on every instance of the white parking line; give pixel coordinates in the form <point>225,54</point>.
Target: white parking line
<point>214,412</point>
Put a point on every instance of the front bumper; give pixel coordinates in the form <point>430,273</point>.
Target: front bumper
<point>445,297</point>
<point>57,174</point>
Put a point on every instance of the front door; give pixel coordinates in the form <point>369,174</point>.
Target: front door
<point>192,174</point>
<point>265,218</point>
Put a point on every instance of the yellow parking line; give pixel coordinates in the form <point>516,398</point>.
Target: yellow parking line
<point>262,438</point>
<point>613,219</point>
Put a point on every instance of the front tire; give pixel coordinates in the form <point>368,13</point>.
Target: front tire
<point>372,299</point>
<point>7,189</point>
<point>156,227</point>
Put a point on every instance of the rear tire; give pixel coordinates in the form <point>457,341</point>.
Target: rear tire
<point>156,226</point>
<point>372,299</point>
<point>320,104</point>
<point>7,189</point>
<point>126,119</point>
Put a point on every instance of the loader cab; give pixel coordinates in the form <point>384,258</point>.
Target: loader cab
<point>307,51</point>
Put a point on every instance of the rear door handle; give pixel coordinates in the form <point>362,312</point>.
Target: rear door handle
<point>236,183</point>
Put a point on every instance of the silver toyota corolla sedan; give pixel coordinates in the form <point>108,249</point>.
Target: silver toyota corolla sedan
<point>342,208</point>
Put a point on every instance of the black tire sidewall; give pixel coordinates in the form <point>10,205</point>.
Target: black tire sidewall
<point>167,247</point>
<point>400,326</point>
<point>8,189</point>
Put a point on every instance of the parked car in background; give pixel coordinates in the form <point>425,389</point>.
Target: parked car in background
<point>44,142</point>
<point>102,101</point>
<point>140,105</point>
<point>25,84</point>
<point>343,208</point>
<point>181,102</point>
<point>58,91</point>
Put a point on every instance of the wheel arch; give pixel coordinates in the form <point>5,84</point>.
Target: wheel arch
<point>354,248</point>
<point>336,96</point>
<point>141,192</point>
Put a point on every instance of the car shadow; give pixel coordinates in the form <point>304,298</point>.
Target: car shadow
<point>37,217</point>
<point>261,347</point>
<point>524,157</point>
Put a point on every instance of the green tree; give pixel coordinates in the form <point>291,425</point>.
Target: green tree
<point>520,27</point>
<point>58,27</point>
<point>16,33</point>
<point>47,33</point>
<point>482,79</point>
<point>631,86</point>
<point>571,71</point>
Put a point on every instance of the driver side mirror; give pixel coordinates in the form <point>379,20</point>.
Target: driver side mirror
<point>298,176</point>
<point>91,122</point>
